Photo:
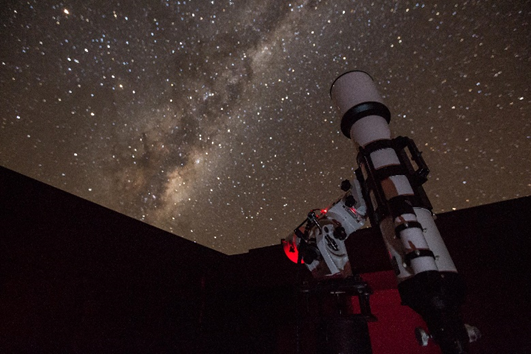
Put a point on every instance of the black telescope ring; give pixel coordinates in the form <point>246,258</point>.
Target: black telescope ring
<point>401,204</point>
<point>407,225</point>
<point>363,110</point>
<point>388,171</point>
<point>377,145</point>
<point>416,254</point>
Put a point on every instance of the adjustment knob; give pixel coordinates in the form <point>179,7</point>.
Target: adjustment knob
<point>345,185</point>
<point>350,201</point>
<point>340,233</point>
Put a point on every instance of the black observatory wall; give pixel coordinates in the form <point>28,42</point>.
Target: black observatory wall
<point>77,277</point>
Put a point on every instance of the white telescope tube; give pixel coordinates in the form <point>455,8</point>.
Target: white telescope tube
<point>409,231</point>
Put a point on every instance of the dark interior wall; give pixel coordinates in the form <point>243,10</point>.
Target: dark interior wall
<point>77,277</point>
<point>490,246</point>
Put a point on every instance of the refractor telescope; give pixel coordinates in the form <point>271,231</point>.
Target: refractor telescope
<point>387,189</point>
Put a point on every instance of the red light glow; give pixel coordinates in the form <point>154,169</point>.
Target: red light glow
<point>291,251</point>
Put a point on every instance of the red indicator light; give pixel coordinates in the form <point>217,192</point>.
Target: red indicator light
<point>324,211</point>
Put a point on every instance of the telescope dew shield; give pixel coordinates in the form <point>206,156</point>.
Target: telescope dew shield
<point>358,98</point>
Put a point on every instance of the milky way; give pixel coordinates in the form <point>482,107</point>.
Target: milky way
<point>212,119</point>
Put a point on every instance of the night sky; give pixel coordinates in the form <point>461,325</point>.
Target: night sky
<point>212,119</point>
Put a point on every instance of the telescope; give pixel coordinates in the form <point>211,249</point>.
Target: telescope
<point>388,190</point>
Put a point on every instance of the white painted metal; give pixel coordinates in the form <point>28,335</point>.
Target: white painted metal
<point>435,241</point>
<point>353,88</point>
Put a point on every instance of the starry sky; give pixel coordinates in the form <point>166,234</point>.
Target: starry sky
<point>212,119</point>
